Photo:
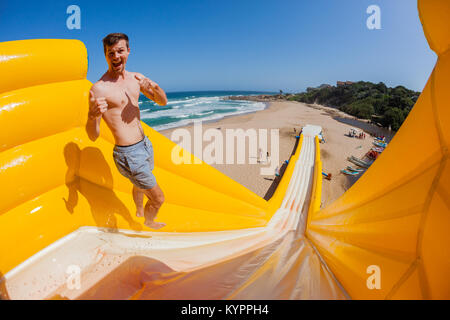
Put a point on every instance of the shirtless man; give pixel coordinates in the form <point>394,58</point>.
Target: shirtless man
<point>115,99</point>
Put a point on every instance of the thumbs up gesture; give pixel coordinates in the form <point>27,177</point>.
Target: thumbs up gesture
<point>146,84</point>
<point>98,106</point>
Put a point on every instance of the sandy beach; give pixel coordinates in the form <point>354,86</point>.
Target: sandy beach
<point>286,116</point>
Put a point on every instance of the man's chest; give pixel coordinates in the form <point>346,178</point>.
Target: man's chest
<point>120,96</point>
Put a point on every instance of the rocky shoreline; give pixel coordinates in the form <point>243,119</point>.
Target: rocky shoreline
<point>260,98</point>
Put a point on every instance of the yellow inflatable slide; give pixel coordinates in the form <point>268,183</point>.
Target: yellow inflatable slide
<point>68,229</point>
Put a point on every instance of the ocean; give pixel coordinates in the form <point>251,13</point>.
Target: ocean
<point>184,108</point>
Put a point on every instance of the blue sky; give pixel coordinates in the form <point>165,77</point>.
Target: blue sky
<point>240,45</point>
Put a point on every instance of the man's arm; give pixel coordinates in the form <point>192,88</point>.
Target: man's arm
<point>151,89</point>
<point>93,128</point>
<point>97,106</point>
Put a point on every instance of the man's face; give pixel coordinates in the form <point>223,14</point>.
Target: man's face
<point>117,55</point>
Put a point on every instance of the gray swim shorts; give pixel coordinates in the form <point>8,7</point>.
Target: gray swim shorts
<point>135,162</point>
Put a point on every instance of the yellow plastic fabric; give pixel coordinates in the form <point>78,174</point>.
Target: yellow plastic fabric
<point>397,215</point>
<point>54,180</point>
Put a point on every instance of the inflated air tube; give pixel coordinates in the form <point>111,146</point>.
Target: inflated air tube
<point>387,237</point>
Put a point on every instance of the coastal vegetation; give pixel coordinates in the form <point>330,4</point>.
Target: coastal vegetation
<point>387,107</point>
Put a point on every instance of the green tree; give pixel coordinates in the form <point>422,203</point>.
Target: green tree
<point>394,118</point>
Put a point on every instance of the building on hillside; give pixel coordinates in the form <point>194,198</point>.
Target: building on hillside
<point>344,83</point>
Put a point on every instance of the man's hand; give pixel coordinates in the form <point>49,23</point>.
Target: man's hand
<point>98,107</point>
<point>151,90</point>
<point>146,84</point>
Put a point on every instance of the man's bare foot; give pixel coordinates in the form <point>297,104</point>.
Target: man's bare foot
<point>140,212</point>
<point>154,225</point>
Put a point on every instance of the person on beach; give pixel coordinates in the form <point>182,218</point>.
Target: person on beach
<point>277,171</point>
<point>114,97</point>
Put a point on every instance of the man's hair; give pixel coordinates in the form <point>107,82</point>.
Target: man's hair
<point>112,38</point>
